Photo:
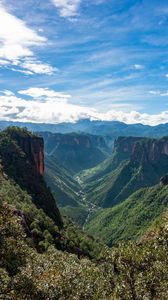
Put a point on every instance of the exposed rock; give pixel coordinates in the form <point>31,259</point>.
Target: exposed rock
<point>164,180</point>
<point>150,150</point>
<point>126,144</point>
<point>22,220</point>
<point>74,139</point>
<point>33,146</point>
<point>22,156</point>
<point>76,151</point>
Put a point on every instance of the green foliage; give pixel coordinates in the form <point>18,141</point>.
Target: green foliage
<point>123,173</point>
<point>130,219</point>
<point>77,214</point>
<point>40,261</point>
<point>128,272</point>
<point>65,189</point>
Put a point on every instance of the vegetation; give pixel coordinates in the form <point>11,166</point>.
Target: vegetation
<point>64,188</point>
<point>130,219</point>
<point>42,261</point>
<point>132,271</point>
<point>117,178</point>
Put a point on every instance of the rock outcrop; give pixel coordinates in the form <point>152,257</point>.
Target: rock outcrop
<point>150,150</point>
<point>75,151</point>
<point>126,144</point>
<point>33,147</point>
<point>164,180</point>
<point>141,150</point>
<point>22,155</point>
<point>73,139</point>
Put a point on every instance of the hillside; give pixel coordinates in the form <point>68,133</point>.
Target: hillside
<point>64,188</point>
<point>130,219</point>
<point>23,185</point>
<point>45,256</point>
<point>135,163</point>
<point>22,158</point>
<point>26,273</point>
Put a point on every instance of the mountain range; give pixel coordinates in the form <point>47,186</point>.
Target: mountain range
<point>109,129</point>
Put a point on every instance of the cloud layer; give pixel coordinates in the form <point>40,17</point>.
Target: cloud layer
<point>42,105</point>
<point>16,45</point>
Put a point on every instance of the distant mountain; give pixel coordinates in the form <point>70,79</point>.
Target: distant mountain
<point>75,151</point>
<point>110,129</point>
<point>135,163</point>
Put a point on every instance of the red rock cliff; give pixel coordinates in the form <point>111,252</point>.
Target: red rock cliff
<point>33,146</point>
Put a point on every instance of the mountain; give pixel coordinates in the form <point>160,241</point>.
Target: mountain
<point>130,219</point>
<point>110,129</point>
<point>75,151</point>
<point>22,157</point>
<point>24,192</point>
<point>135,163</point>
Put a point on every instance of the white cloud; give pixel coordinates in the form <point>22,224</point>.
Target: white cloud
<point>16,42</point>
<point>49,106</point>
<point>67,8</point>
<point>38,67</point>
<point>138,67</point>
<point>159,93</point>
<point>44,93</point>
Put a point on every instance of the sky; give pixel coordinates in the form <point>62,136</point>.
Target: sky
<point>65,60</point>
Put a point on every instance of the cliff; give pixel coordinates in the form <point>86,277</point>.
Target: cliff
<point>22,155</point>
<point>75,151</point>
<point>33,147</point>
<point>150,150</point>
<point>141,150</point>
<point>135,163</point>
<point>72,139</point>
<point>126,144</point>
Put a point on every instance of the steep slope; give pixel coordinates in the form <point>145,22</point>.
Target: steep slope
<point>22,156</point>
<point>64,188</point>
<point>135,163</point>
<point>23,186</point>
<point>75,152</point>
<point>131,271</point>
<point>130,219</point>
<point>122,150</point>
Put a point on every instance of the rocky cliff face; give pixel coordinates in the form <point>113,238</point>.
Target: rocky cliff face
<point>150,150</point>
<point>142,149</point>
<point>57,140</point>
<point>33,147</point>
<point>75,151</point>
<point>126,144</point>
<point>22,155</point>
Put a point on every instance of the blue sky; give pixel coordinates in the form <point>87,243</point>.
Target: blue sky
<point>62,60</point>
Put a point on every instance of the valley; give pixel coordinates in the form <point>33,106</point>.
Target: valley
<point>62,226</point>
<point>114,188</point>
